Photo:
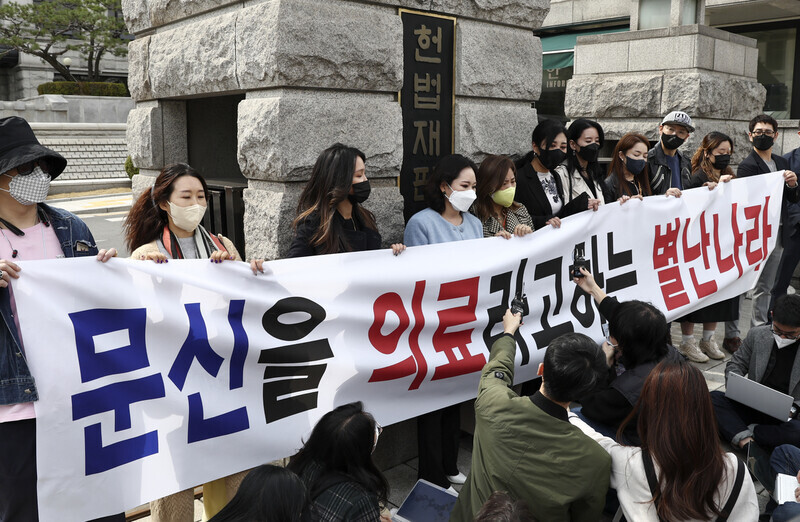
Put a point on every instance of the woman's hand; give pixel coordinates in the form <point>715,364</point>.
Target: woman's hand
<point>8,270</point>
<point>726,178</point>
<point>610,354</point>
<point>398,248</point>
<point>673,191</point>
<point>625,199</point>
<point>594,204</point>
<point>503,234</point>
<point>588,285</point>
<point>218,256</point>
<point>257,265</point>
<point>158,257</point>
<point>554,222</point>
<point>710,184</point>
<point>104,255</point>
<point>522,230</point>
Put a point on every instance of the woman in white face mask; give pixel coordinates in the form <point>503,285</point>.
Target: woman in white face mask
<point>164,223</point>
<point>449,193</point>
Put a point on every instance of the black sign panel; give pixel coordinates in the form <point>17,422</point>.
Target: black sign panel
<point>426,100</point>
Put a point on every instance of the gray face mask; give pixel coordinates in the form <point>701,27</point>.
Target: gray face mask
<point>31,188</point>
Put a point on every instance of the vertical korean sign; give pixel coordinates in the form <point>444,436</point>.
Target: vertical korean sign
<point>427,100</point>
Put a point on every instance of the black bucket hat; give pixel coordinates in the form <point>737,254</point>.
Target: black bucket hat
<point>19,145</point>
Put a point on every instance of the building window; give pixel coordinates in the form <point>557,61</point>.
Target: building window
<point>776,54</point>
<point>654,14</point>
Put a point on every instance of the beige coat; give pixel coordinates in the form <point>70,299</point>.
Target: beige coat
<point>152,248</point>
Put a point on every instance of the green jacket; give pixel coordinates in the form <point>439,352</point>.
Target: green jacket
<point>533,455</point>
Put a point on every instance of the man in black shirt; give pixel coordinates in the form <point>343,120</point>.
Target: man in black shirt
<point>769,356</point>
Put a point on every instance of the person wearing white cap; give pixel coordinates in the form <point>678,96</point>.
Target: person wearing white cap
<point>669,169</point>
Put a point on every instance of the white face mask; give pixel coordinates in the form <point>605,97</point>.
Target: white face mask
<point>186,218</point>
<point>462,199</point>
<point>783,343</point>
<point>31,188</point>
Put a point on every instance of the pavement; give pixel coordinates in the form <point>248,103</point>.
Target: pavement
<point>403,476</point>
<point>102,203</point>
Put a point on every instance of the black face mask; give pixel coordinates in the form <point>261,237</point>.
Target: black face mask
<point>635,166</point>
<point>360,192</point>
<point>590,152</point>
<point>671,141</point>
<point>763,142</point>
<point>722,161</point>
<point>552,158</point>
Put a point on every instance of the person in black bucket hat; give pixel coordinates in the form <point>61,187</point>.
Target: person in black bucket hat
<point>29,229</point>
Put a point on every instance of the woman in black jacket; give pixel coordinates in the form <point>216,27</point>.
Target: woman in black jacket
<point>539,185</point>
<point>330,218</point>
<point>638,339</point>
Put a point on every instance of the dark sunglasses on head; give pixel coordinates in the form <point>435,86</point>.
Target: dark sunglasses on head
<point>27,168</point>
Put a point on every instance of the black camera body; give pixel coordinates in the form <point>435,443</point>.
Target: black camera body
<point>519,305</point>
<point>578,262</point>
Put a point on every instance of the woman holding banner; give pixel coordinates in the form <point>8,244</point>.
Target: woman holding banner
<point>449,193</point>
<point>164,224</point>
<point>627,173</point>
<point>495,205</point>
<point>330,217</point>
<point>710,165</point>
<point>581,173</point>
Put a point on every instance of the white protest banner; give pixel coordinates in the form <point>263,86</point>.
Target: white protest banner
<point>155,378</point>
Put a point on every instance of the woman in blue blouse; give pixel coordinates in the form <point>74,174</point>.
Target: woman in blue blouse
<point>449,194</point>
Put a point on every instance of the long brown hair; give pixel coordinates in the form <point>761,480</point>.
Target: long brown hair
<point>700,160</point>
<point>491,176</point>
<point>618,169</point>
<point>329,185</point>
<point>678,429</point>
<point>146,220</point>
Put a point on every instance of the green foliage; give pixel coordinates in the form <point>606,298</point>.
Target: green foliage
<point>50,28</point>
<point>129,168</point>
<point>85,88</point>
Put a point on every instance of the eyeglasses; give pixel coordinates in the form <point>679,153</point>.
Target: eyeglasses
<point>27,168</point>
<point>608,340</point>
<point>760,132</point>
<point>785,335</point>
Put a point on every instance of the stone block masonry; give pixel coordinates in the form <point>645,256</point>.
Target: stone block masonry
<point>315,72</point>
<point>93,151</point>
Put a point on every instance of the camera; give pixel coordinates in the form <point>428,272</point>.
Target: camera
<point>519,305</point>
<point>578,262</point>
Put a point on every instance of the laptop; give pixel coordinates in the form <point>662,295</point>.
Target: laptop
<point>759,397</point>
<point>426,502</point>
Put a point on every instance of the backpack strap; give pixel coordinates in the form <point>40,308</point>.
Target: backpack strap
<point>734,496</point>
<point>652,481</point>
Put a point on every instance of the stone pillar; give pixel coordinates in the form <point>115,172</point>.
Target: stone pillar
<point>629,81</point>
<point>315,72</point>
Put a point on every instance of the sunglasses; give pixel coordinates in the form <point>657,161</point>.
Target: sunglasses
<point>27,168</point>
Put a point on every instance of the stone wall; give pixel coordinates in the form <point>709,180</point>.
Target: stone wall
<point>315,72</point>
<point>55,108</point>
<point>629,81</point>
<point>94,153</point>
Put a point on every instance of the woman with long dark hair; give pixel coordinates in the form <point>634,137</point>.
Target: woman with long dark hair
<point>580,172</point>
<point>495,205</point>
<point>680,472</point>
<point>337,468</point>
<point>539,186</point>
<point>268,493</point>
<point>164,222</point>
<point>710,165</point>
<point>627,173</point>
<point>449,193</point>
<point>330,216</point>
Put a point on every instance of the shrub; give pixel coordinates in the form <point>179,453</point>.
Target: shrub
<point>130,168</point>
<point>84,88</point>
